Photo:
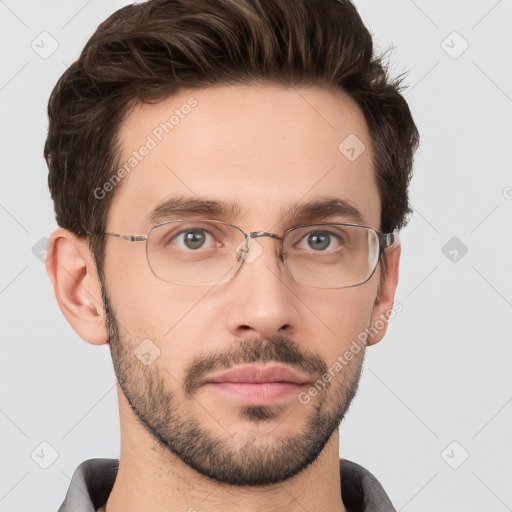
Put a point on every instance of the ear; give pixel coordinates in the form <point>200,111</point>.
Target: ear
<point>384,304</point>
<point>72,271</point>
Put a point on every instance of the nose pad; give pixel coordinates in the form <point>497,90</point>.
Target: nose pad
<point>241,250</point>
<point>249,250</point>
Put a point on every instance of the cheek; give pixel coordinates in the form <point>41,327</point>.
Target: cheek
<point>143,303</point>
<point>346,314</point>
<point>171,317</point>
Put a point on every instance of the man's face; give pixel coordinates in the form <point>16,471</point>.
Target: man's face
<point>267,149</point>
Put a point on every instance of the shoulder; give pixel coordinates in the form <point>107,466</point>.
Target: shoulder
<point>91,485</point>
<point>361,491</point>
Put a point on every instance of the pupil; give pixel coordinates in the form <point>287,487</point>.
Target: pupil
<point>323,239</point>
<point>194,239</point>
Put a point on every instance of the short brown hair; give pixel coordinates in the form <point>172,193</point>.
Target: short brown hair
<point>146,52</point>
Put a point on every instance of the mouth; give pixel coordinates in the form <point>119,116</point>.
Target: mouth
<point>258,385</point>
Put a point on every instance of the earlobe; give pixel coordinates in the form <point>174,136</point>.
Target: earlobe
<point>384,305</point>
<point>72,272</point>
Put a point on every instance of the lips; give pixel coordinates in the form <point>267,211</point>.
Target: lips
<point>257,385</point>
<point>259,375</point>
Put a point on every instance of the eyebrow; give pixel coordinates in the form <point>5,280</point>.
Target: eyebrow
<point>318,209</point>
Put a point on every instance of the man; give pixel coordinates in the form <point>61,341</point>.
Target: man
<point>229,179</point>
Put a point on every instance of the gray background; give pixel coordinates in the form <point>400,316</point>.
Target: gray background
<point>436,390</point>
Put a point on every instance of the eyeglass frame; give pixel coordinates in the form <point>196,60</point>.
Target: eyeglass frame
<point>386,240</point>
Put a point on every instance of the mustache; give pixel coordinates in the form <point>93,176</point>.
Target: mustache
<point>277,349</point>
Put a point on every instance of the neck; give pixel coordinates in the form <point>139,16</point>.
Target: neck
<point>150,477</point>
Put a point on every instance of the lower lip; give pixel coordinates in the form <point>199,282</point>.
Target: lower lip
<point>263,392</point>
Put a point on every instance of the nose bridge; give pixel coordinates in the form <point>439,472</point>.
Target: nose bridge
<point>264,304</point>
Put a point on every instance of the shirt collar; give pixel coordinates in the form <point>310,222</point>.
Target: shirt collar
<point>94,479</point>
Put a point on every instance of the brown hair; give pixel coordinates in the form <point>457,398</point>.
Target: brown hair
<point>145,52</point>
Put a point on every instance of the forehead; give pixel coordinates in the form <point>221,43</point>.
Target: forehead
<point>260,150</point>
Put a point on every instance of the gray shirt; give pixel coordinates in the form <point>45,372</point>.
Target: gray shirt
<point>93,480</point>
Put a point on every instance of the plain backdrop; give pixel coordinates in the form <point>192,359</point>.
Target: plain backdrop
<point>432,419</point>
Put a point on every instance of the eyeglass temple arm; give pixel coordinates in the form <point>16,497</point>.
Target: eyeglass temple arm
<point>129,238</point>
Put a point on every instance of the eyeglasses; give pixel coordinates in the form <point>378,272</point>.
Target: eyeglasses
<point>208,252</point>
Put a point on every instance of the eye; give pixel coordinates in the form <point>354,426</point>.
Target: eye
<point>193,238</point>
<point>321,240</point>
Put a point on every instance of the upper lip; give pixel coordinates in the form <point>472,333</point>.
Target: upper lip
<point>259,374</point>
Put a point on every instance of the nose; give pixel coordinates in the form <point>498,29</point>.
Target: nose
<point>262,296</point>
